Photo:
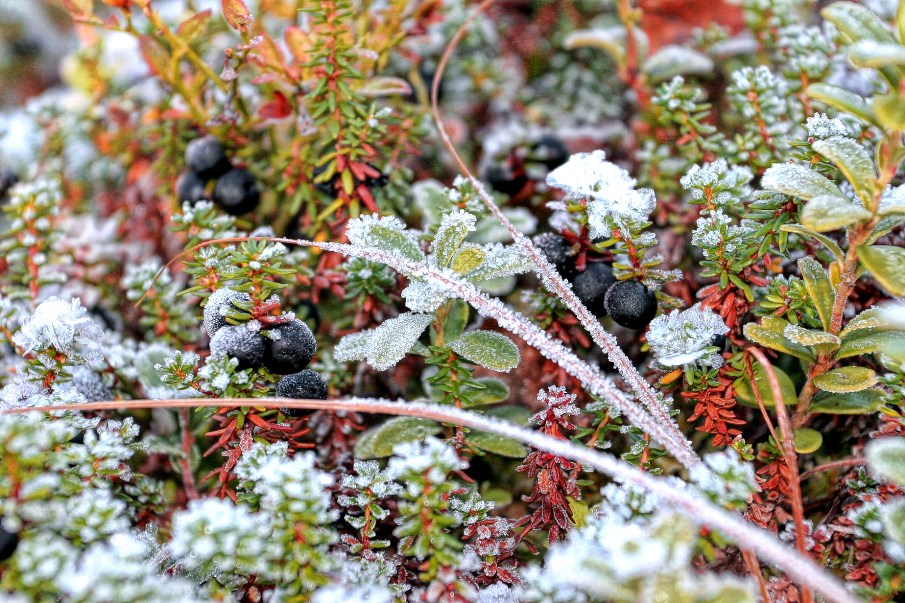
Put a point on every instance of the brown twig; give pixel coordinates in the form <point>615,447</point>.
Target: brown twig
<point>842,464</point>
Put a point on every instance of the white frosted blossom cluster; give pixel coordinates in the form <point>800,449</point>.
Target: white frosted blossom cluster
<point>717,235</point>
<point>58,325</point>
<point>725,478</point>
<point>624,501</point>
<point>685,336</point>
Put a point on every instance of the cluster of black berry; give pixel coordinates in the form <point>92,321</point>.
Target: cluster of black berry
<point>630,303</point>
<point>211,176</point>
<point>510,175</point>
<point>286,349</point>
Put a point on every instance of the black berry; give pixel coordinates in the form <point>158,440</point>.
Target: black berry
<point>555,248</point>
<point>9,541</point>
<point>218,305</point>
<point>719,341</point>
<point>325,187</point>
<point>505,180</point>
<point>90,384</point>
<point>239,342</point>
<point>631,304</point>
<point>304,385</point>
<point>237,192</point>
<point>290,347</point>
<point>8,179</point>
<point>207,158</point>
<point>550,151</point>
<point>189,187</point>
<point>592,284</point>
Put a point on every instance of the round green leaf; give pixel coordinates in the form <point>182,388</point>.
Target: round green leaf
<point>807,440</point>
<point>379,441</point>
<point>859,342</point>
<point>846,379</point>
<point>825,213</point>
<point>492,392</point>
<point>745,393</point>
<point>842,99</point>
<point>886,457</point>
<point>853,403</point>
<point>497,444</point>
<point>489,349</point>
<point>886,264</point>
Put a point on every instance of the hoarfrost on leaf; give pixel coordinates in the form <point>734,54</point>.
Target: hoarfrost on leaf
<point>62,326</point>
<point>687,336</point>
<point>391,341</point>
<point>820,126</point>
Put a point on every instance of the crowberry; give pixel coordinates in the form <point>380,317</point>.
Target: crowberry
<point>550,151</point>
<point>206,158</point>
<point>189,187</point>
<point>505,179</point>
<point>239,342</point>
<point>631,304</point>
<point>555,248</point>
<point>218,305</point>
<point>237,192</point>
<point>8,543</point>
<point>290,347</point>
<point>304,385</point>
<point>8,179</point>
<point>592,284</point>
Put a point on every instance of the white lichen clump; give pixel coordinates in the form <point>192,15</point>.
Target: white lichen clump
<point>687,336</point>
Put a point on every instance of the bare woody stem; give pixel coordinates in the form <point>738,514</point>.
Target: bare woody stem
<point>685,501</point>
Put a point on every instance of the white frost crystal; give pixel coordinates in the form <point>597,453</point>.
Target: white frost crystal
<point>820,126</point>
<point>64,326</point>
<point>686,336</point>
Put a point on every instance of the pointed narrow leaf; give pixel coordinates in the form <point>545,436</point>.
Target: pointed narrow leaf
<point>853,161</point>
<point>853,403</point>
<point>744,393</point>
<point>491,350</point>
<point>886,264</point>
<point>868,319</point>
<point>379,441</point>
<point>807,440</point>
<point>843,100</point>
<point>826,213</point>
<point>818,284</point>
<point>799,181</point>
<point>770,333</point>
<point>886,458</point>
<point>846,379</point>
<point>492,391</point>
<point>497,444</point>
<point>384,85</point>
<point>454,227</point>
<point>809,337</point>
<point>829,243</point>
<point>392,340</point>
<point>456,320</point>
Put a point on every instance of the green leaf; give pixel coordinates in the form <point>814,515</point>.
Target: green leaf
<point>517,415</point>
<point>580,512</point>
<point>194,26</point>
<point>456,320</point>
<point>468,259</point>
<point>391,341</point>
<point>829,243</point>
<point>830,213</point>
<point>857,343</point>
<point>818,284</point>
<point>497,444</point>
<point>385,85</point>
<point>846,379</point>
<point>387,239</point>
<point>892,514</point>
<point>868,53</point>
<point>853,161</point>
<point>890,111</point>
<point>156,56</point>
<point>852,403</point>
<point>491,350</point>
<point>771,333</point>
<point>799,181</point>
<point>843,100</point>
<point>379,441</point>
<point>809,337</point>
<point>454,227</point>
<point>886,264</point>
<point>807,440</point>
<point>673,60</point>
<point>745,393</point>
<point>857,22</point>
<point>886,458</point>
<point>492,392</point>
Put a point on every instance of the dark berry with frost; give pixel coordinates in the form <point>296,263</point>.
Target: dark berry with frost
<point>191,188</point>
<point>8,179</point>
<point>90,384</point>
<point>719,341</point>
<point>207,158</point>
<point>550,151</point>
<point>304,385</point>
<point>290,347</point>
<point>9,541</point>
<point>237,192</point>
<point>591,286</point>
<point>555,248</point>
<point>631,304</point>
<point>240,342</point>
<point>220,303</point>
<point>505,180</point>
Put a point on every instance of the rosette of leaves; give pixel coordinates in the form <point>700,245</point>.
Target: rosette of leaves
<point>451,347</point>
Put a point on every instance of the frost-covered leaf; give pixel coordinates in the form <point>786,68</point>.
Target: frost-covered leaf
<point>684,337</point>
<point>454,227</point>
<point>387,239</point>
<point>868,53</point>
<point>818,284</point>
<point>852,403</point>
<point>799,181</point>
<point>467,259</point>
<point>379,441</point>
<point>853,161</point>
<point>489,349</point>
<point>771,333</point>
<point>387,233</point>
<point>886,264</point>
<point>861,342</point>
<point>353,347</point>
<point>611,40</point>
<point>746,395</point>
<point>829,243</point>
<point>886,458</point>
<point>673,60</point>
<point>843,100</point>
<point>806,440</point>
<point>500,261</point>
<point>809,337</point>
<point>492,391</point>
<point>825,212</point>
<point>456,318</point>
<point>846,379</point>
<point>497,444</point>
<point>892,514</point>
<point>857,22</point>
<point>392,340</point>
<point>892,201</point>
<point>423,296</point>
<point>868,319</point>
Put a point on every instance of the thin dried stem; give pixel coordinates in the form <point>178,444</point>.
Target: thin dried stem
<point>687,501</point>
<point>857,461</point>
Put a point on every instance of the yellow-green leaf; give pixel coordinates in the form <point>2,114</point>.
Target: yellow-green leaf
<point>843,100</point>
<point>379,441</point>
<point>745,393</point>
<point>818,284</point>
<point>807,440</point>
<point>831,213</point>
<point>489,349</point>
<point>846,379</point>
<point>886,264</point>
<point>497,444</point>
<point>468,259</point>
<point>852,403</point>
<point>861,342</point>
<point>771,333</point>
<point>853,161</point>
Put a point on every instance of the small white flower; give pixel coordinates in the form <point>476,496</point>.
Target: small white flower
<point>683,337</point>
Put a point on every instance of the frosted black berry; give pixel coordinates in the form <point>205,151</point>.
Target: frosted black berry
<point>90,384</point>
<point>189,187</point>
<point>207,158</point>
<point>237,192</point>
<point>719,341</point>
<point>505,180</point>
<point>592,284</point>
<point>239,342</point>
<point>290,347</point>
<point>8,179</point>
<point>9,541</point>
<point>555,248</point>
<point>550,151</point>
<point>304,385</point>
<point>631,304</point>
<point>220,303</point>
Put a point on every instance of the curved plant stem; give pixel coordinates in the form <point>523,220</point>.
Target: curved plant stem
<point>550,277</point>
<point>687,501</point>
<point>841,464</point>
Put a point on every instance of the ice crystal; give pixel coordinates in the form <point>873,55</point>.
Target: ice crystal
<point>718,183</point>
<point>359,230</point>
<point>496,593</point>
<point>820,126</point>
<point>431,455</point>
<point>368,475</point>
<point>589,175</point>
<point>686,336</point>
<point>625,501</point>
<point>62,326</point>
